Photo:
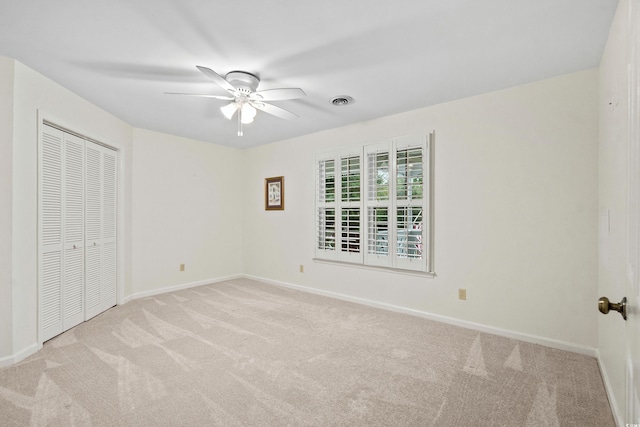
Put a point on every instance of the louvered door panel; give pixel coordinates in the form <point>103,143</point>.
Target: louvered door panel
<point>101,179</point>
<point>51,291</point>
<point>108,292</point>
<point>93,273</point>
<point>77,230</point>
<point>93,227</point>
<point>109,194</point>
<point>109,199</point>
<point>50,229</point>
<point>94,193</point>
<point>74,190</point>
<point>73,209</point>
<point>51,188</point>
<point>73,289</point>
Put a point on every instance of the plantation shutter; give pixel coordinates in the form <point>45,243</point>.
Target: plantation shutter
<point>326,207</point>
<point>374,204</point>
<point>350,208</point>
<point>411,203</point>
<point>378,204</point>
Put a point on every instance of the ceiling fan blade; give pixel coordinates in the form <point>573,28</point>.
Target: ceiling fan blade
<point>218,79</point>
<point>278,94</point>
<point>273,110</point>
<point>204,95</point>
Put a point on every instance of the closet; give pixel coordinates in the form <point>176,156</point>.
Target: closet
<point>76,230</point>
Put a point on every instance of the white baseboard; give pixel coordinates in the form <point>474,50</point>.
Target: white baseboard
<point>615,409</point>
<point>548,342</point>
<point>172,288</point>
<point>19,356</point>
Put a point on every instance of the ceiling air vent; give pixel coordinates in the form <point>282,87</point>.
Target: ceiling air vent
<point>342,100</point>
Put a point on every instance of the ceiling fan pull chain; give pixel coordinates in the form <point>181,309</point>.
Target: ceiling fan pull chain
<point>239,121</point>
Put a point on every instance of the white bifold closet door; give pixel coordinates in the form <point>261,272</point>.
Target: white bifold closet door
<point>100,237</point>
<point>77,230</point>
<point>62,232</point>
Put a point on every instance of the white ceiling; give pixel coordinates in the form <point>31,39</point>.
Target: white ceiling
<point>391,56</point>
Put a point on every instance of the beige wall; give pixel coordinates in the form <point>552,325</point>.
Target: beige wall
<point>612,185</point>
<point>515,211</point>
<point>187,210</point>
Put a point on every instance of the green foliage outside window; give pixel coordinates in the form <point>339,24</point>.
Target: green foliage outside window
<point>409,175</point>
<point>351,179</point>
<point>329,181</point>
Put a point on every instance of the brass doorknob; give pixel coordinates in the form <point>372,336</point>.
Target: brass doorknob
<point>604,305</point>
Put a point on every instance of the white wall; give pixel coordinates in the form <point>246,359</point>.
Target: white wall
<point>187,210</point>
<point>612,186</point>
<point>6,191</point>
<point>515,211</point>
<point>32,93</point>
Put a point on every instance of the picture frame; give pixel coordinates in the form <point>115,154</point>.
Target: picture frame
<point>274,193</point>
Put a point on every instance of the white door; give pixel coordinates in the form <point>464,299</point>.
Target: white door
<point>50,232</point>
<point>93,227</point>
<point>73,232</point>
<point>633,188</point>
<point>61,231</point>
<point>101,182</point>
<point>109,226</point>
<point>77,230</point>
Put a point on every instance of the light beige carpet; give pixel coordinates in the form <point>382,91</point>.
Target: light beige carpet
<point>242,353</point>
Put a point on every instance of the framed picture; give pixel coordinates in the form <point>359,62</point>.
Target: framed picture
<point>274,193</point>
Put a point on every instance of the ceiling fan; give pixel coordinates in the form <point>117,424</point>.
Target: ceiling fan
<point>242,86</point>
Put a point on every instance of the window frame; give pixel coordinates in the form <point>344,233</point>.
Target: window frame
<point>371,254</point>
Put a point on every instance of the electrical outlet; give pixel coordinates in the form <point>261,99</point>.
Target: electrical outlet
<point>301,268</point>
<point>181,267</point>
<point>462,294</point>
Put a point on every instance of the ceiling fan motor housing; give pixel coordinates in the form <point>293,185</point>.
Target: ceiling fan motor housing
<point>243,81</point>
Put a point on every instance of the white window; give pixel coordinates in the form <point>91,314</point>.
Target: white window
<point>374,204</point>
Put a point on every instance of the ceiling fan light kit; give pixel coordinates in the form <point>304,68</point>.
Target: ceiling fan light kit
<point>229,110</point>
<point>245,99</point>
<point>248,113</point>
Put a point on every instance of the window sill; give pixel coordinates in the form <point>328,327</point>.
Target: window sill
<point>427,274</point>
